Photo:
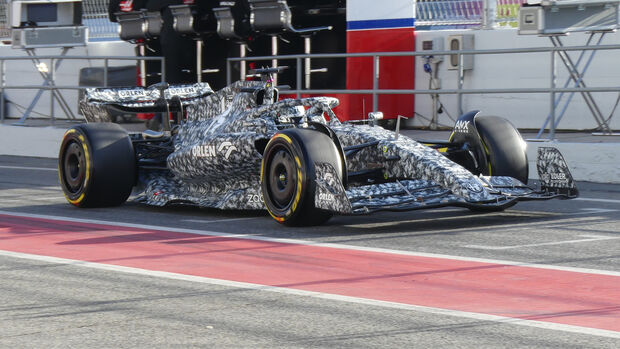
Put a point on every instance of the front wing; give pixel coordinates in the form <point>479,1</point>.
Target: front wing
<point>555,182</point>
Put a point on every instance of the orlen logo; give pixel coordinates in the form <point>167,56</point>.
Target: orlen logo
<point>558,176</point>
<point>554,177</point>
<point>461,126</point>
<point>210,150</point>
<point>180,91</point>
<point>131,93</point>
<point>326,197</point>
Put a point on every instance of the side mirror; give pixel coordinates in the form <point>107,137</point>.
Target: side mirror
<point>374,116</point>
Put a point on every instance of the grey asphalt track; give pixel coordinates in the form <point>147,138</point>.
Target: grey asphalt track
<point>51,305</point>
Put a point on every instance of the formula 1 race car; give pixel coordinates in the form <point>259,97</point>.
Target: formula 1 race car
<point>243,148</point>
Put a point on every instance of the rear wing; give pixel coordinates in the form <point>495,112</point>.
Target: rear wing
<point>98,102</point>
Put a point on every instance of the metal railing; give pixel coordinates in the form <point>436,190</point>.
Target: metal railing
<point>459,91</point>
<point>49,75</point>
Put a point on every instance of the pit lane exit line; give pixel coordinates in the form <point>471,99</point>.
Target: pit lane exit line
<point>609,201</point>
<point>508,291</point>
<point>588,238</point>
<point>218,220</point>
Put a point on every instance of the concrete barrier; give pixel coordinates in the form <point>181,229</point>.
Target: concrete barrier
<point>30,141</point>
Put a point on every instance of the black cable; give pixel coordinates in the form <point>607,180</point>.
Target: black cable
<point>613,111</point>
<point>22,108</point>
<point>443,107</point>
<point>429,119</point>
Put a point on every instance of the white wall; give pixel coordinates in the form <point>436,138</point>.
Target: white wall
<point>360,10</point>
<point>23,72</point>
<point>521,71</point>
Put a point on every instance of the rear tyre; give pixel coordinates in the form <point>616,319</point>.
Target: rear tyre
<point>96,165</point>
<point>288,175</point>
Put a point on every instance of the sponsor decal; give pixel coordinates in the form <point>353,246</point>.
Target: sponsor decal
<point>228,148</point>
<point>461,126</point>
<point>182,91</point>
<point>558,176</point>
<point>555,179</point>
<point>329,197</point>
<point>131,93</point>
<point>255,199</point>
<point>204,151</point>
<point>211,150</point>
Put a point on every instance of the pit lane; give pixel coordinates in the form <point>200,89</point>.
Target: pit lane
<point>565,234</point>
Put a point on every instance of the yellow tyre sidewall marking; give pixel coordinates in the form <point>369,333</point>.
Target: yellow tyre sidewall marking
<point>87,158</point>
<point>486,150</point>
<point>299,180</point>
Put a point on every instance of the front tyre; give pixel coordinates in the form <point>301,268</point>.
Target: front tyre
<point>505,149</point>
<point>288,176</point>
<point>96,165</point>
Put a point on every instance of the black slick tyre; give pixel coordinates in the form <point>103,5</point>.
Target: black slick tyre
<point>288,175</point>
<point>96,165</point>
<point>505,151</point>
<point>504,147</point>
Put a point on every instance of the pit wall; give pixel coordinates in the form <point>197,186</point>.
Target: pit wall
<point>521,70</point>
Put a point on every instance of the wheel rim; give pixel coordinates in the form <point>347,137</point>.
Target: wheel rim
<point>74,165</point>
<point>282,183</point>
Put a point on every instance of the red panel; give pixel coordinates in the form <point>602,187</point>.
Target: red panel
<point>395,72</point>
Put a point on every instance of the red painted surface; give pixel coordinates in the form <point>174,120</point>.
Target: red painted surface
<point>395,72</point>
<point>588,300</point>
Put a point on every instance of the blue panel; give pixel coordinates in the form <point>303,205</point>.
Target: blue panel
<point>381,24</point>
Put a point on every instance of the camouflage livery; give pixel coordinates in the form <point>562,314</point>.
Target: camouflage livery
<point>213,157</point>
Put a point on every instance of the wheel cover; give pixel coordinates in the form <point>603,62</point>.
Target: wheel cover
<point>282,178</point>
<point>74,167</point>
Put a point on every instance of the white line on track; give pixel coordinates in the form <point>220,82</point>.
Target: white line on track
<point>218,220</point>
<point>598,200</point>
<point>30,168</point>
<point>311,243</point>
<point>34,198</point>
<point>588,238</point>
<point>327,296</point>
<point>590,211</point>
